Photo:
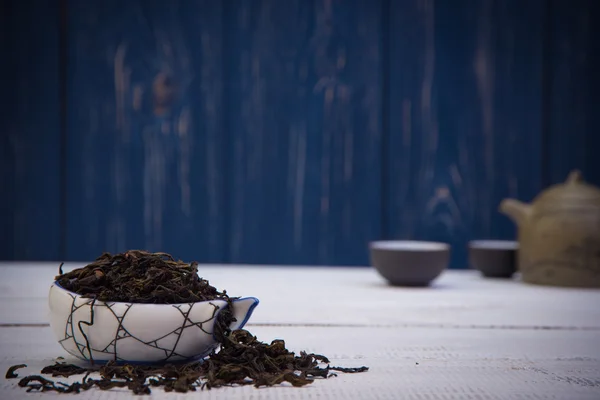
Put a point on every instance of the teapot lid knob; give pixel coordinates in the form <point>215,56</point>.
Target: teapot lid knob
<point>574,177</point>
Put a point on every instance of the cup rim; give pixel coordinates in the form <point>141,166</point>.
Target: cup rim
<point>493,244</point>
<point>409,245</point>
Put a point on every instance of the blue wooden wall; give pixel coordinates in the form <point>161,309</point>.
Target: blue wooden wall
<point>263,131</point>
<point>30,132</point>
<point>465,103</point>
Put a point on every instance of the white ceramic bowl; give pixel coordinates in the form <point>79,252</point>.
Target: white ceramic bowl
<point>135,332</point>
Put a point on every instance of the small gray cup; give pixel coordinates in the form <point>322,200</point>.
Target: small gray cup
<point>409,262</point>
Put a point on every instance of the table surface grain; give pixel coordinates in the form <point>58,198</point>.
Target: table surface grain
<point>465,337</point>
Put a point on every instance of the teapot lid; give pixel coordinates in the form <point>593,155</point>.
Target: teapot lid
<point>573,190</point>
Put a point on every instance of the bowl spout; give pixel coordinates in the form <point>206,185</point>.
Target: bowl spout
<point>242,310</point>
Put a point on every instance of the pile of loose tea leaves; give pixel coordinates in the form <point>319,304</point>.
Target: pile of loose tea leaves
<point>140,277</point>
<point>143,277</point>
<point>242,360</point>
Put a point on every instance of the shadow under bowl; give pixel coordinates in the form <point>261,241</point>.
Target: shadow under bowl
<point>494,258</point>
<point>409,262</point>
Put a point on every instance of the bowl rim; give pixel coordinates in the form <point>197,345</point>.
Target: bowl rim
<point>493,244</point>
<point>233,299</point>
<point>409,245</point>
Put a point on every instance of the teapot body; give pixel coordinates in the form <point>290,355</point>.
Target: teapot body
<point>560,246</point>
<point>559,234</point>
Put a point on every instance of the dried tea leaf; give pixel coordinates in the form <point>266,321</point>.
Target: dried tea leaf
<point>11,371</point>
<point>63,369</point>
<point>43,384</point>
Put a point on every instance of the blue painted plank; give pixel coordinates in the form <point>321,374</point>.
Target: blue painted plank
<point>145,165</point>
<point>29,131</point>
<point>572,94</point>
<point>304,119</point>
<point>464,118</point>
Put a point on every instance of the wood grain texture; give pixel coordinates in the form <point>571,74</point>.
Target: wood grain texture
<point>288,132</point>
<point>145,140</point>
<point>574,82</point>
<point>465,103</point>
<point>29,130</point>
<point>304,107</point>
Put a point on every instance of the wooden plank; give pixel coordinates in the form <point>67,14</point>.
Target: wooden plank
<point>144,155</point>
<point>407,363</point>
<point>465,112</point>
<point>573,62</point>
<point>29,131</point>
<point>304,118</point>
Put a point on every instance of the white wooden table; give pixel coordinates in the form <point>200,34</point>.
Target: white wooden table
<point>464,338</point>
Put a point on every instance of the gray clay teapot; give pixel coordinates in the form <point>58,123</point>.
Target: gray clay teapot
<point>559,234</point>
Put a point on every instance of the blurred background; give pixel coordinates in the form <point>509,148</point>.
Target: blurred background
<point>286,132</point>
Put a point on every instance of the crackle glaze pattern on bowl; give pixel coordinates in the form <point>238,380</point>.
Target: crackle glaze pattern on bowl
<point>135,332</point>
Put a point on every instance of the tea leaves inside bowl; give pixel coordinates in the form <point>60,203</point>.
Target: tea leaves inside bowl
<point>140,277</point>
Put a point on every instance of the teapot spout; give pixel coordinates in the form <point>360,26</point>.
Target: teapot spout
<point>242,311</point>
<point>515,209</point>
